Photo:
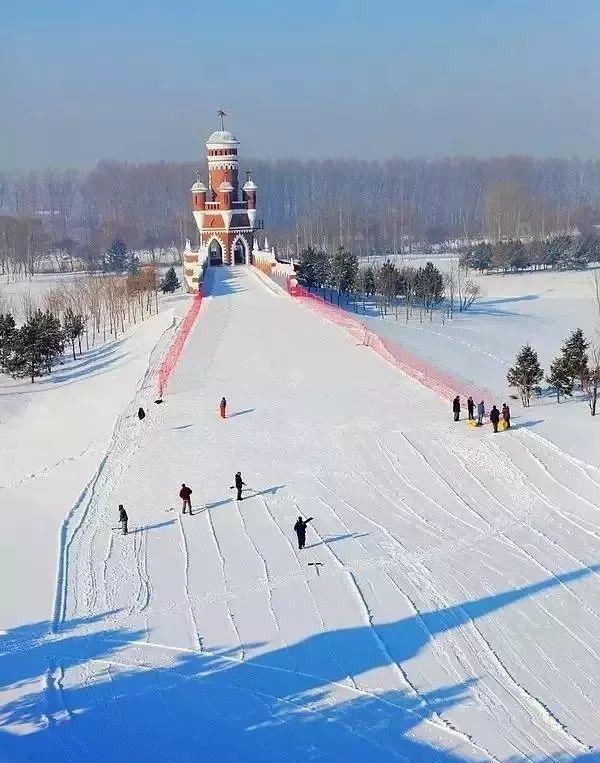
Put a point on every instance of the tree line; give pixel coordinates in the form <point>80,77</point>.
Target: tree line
<point>564,252</point>
<point>393,289</point>
<point>572,367</point>
<point>367,207</point>
<point>87,309</point>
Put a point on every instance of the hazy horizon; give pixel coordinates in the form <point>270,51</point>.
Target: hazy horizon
<point>394,79</point>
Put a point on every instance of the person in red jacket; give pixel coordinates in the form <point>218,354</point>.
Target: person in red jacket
<point>185,494</point>
<point>223,406</point>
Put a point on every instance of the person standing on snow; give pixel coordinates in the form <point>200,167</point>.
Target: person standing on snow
<point>480,413</point>
<point>300,530</point>
<point>456,408</point>
<point>186,495</point>
<point>239,483</point>
<point>495,417</point>
<point>506,414</point>
<point>470,407</point>
<point>123,519</point>
<point>141,413</point>
<point>223,406</point>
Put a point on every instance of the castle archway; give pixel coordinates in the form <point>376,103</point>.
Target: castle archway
<point>215,252</point>
<point>240,252</point>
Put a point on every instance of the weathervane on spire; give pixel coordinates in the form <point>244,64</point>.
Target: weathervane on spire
<point>221,114</point>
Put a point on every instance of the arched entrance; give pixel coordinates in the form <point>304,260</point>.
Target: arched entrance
<point>239,252</point>
<point>215,253</point>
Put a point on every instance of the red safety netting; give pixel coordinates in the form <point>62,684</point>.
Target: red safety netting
<point>172,356</point>
<point>441,382</point>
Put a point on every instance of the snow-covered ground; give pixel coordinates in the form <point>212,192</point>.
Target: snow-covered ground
<point>479,346</point>
<point>454,616</point>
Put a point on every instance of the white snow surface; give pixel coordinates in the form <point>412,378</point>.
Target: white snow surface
<point>454,617</point>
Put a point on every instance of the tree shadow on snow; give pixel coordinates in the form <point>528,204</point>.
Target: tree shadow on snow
<point>90,364</point>
<point>292,703</point>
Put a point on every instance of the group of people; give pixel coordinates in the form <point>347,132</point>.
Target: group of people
<point>185,493</point>
<point>495,415</point>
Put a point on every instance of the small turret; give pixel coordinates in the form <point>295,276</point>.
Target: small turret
<point>249,191</point>
<point>198,196</point>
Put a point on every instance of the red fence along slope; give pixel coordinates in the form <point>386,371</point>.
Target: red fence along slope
<point>441,382</point>
<point>172,356</point>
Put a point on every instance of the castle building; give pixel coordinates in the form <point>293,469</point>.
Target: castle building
<point>224,213</point>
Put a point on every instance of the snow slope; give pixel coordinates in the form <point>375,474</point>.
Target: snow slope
<point>454,617</point>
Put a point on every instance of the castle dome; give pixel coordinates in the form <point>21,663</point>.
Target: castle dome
<point>221,139</point>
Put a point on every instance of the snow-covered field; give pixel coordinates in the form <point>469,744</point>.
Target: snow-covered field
<point>454,616</point>
<point>479,346</point>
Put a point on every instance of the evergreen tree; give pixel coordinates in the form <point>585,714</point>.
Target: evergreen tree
<point>36,346</point>
<point>73,327</point>
<point>559,378</point>
<point>7,334</point>
<point>525,374</point>
<point>170,282</point>
<point>387,281</point>
<point>321,268</point>
<point>116,257</point>
<point>517,255</point>
<point>429,286</point>
<point>574,353</point>
<point>369,280</point>
<point>343,272</point>
<point>481,257</point>
<point>306,268</point>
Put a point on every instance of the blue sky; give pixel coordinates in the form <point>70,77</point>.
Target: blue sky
<point>142,79</point>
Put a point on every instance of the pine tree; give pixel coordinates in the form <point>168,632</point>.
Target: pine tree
<point>36,345</point>
<point>170,282</point>
<point>574,353</point>
<point>73,327</point>
<point>7,334</point>
<point>525,374</point>
<point>559,378</point>
<point>306,268</point>
<point>481,257</point>
<point>369,281</point>
<point>116,260</point>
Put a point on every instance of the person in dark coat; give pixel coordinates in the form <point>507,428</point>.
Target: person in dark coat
<point>123,519</point>
<point>300,530</point>
<point>456,408</point>
<point>239,484</point>
<point>186,496</point>
<point>141,413</point>
<point>495,417</point>
<point>470,407</point>
<point>506,414</point>
<point>223,406</point>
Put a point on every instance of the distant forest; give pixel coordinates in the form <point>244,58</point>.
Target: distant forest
<point>368,207</point>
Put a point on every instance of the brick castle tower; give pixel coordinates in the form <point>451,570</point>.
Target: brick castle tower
<point>224,213</point>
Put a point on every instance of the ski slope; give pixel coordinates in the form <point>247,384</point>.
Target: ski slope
<point>455,615</point>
